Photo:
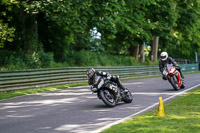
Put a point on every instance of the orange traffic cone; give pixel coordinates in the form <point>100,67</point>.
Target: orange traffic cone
<point>161,112</point>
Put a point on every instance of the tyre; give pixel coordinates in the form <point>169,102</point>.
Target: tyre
<point>127,96</point>
<point>174,83</point>
<point>183,86</point>
<point>108,97</point>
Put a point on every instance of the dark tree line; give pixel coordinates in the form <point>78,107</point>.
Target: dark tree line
<point>119,27</point>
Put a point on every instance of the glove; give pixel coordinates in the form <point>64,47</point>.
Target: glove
<point>164,73</point>
<point>109,77</point>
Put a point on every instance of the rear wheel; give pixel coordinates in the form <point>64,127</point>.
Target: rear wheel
<point>108,97</point>
<point>174,82</point>
<point>127,96</point>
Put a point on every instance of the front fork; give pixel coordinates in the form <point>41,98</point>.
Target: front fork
<point>177,78</point>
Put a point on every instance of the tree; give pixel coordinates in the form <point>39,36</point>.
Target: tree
<point>162,14</point>
<point>133,28</point>
<point>63,27</point>
<point>6,34</point>
<point>186,39</point>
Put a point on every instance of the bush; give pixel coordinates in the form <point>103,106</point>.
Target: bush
<point>13,63</point>
<point>45,59</point>
<point>88,58</point>
<point>3,55</point>
<point>82,58</point>
<point>19,60</point>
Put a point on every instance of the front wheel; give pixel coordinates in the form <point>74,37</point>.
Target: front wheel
<point>174,83</point>
<point>108,97</point>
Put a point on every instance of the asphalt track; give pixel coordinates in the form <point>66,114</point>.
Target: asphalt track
<point>77,110</point>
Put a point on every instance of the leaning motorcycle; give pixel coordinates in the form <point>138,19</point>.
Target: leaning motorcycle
<point>173,76</point>
<point>109,92</point>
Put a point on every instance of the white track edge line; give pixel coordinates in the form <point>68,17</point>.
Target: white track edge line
<point>131,116</point>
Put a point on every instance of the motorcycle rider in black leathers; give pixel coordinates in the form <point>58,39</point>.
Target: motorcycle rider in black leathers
<point>91,77</point>
<point>165,59</point>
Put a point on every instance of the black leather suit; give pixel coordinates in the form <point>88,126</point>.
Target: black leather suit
<point>169,60</point>
<point>107,75</point>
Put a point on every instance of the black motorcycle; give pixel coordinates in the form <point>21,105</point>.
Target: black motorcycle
<point>109,92</point>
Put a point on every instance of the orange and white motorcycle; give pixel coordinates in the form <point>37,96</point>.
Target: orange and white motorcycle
<point>173,76</point>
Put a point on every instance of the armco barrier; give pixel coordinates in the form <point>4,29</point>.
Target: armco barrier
<point>22,79</point>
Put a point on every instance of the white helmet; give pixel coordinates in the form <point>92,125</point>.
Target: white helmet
<point>163,56</point>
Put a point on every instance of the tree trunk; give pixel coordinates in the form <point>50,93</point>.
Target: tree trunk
<point>31,41</point>
<point>154,51</point>
<point>134,51</point>
<point>141,53</point>
<point>29,31</point>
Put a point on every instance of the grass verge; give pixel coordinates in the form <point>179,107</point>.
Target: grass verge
<point>183,116</point>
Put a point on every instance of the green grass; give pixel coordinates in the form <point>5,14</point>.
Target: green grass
<point>183,116</point>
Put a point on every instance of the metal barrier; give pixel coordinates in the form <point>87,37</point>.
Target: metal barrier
<point>189,67</point>
<point>22,79</point>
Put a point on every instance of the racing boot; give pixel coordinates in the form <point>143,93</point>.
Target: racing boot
<point>116,80</point>
<point>180,73</point>
<point>183,85</point>
<point>123,89</point>
<point>164,77</point>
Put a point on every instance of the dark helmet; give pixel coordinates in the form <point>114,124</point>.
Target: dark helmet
<point>90,72</point>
